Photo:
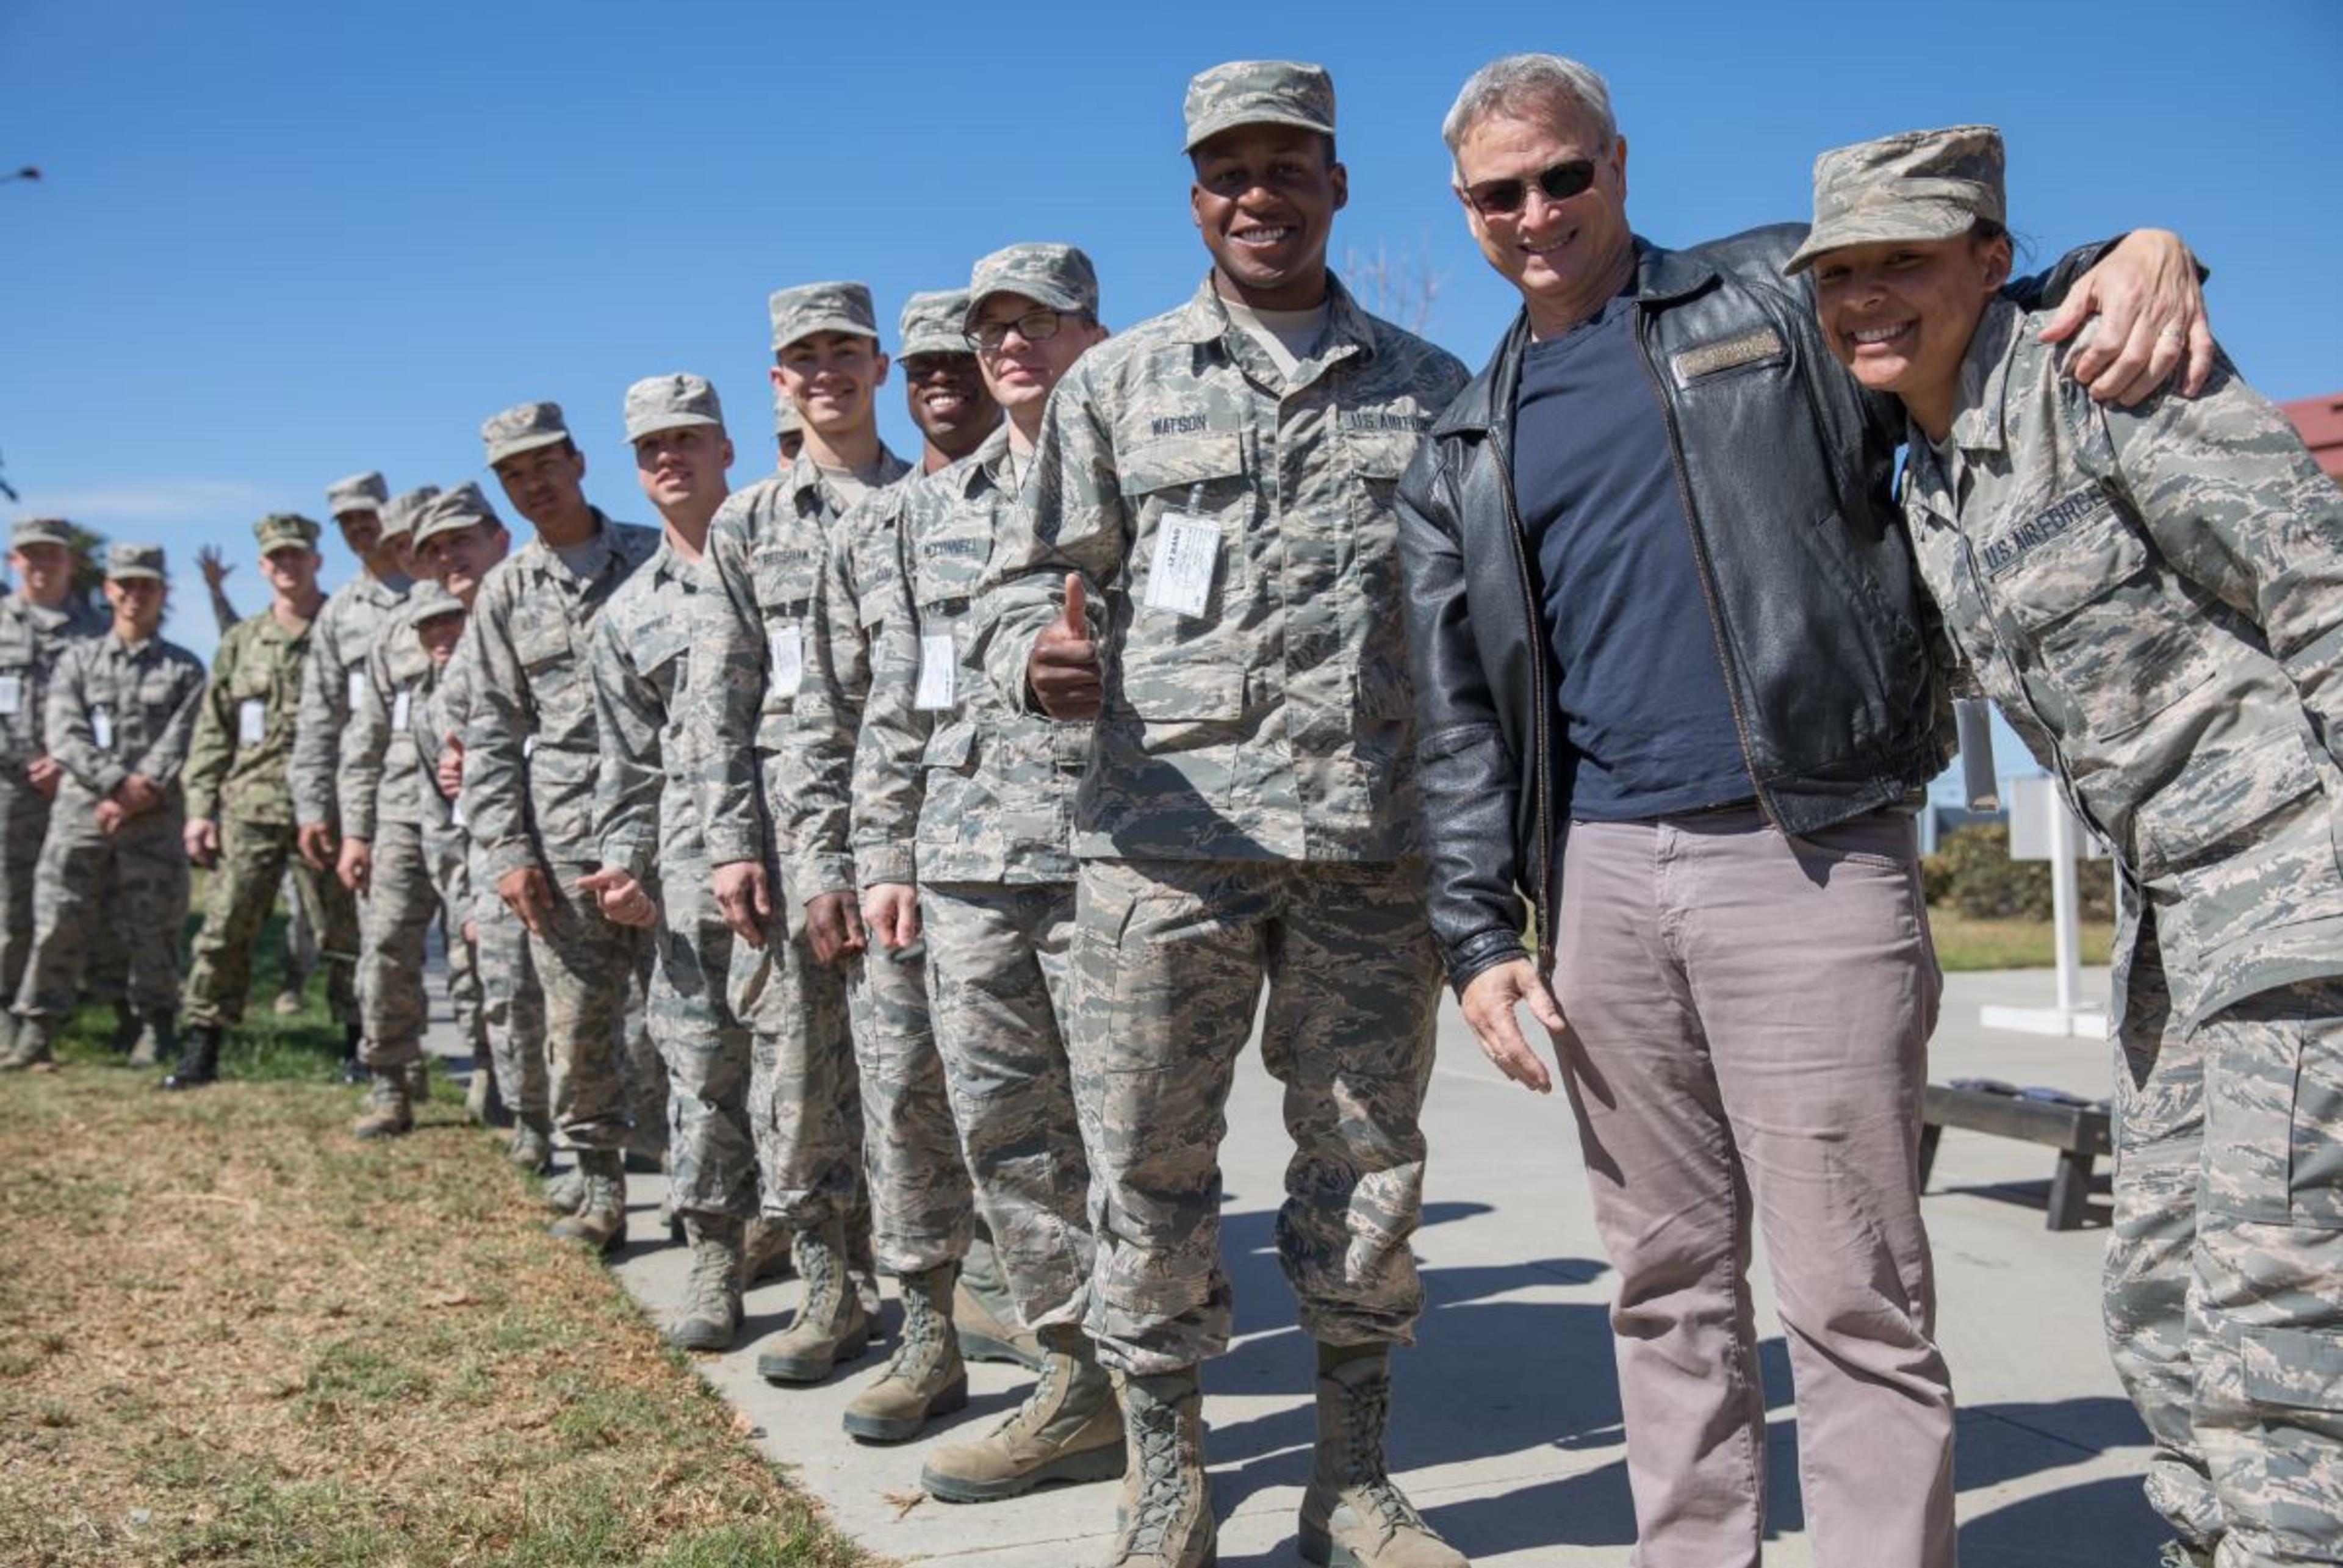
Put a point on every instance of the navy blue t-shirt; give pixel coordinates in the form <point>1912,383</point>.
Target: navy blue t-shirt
<point>1646,727</point>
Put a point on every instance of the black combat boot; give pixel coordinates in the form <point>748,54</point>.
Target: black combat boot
<point>198,1060</point>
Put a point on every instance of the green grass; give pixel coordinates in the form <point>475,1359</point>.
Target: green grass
<point>1965,942</point>
<point>230,1334</point>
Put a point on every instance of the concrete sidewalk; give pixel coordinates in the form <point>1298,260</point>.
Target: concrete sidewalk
<point>1506,1431</point>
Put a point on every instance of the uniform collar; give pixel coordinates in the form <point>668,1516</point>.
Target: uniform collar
<point>1205,319</point>
<point>804,478</point>
<point>1981,422</point>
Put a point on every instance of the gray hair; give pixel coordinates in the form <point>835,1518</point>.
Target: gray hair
<point>1529,86</point>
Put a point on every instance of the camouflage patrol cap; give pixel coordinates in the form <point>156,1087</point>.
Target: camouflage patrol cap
<point>278,529</point>
<point>1057,275</point>
<point>520,430</point>
<point>787,420</point>
<point>658,403</point>
<point>811,307</point>
<point>450,510</point>
<point>359,493</point>
<point>427,600</point>
<point>136,561</point>
<point>1918,185</point>
<point>400,514</point>
<point>1259,93</point>
<point>930,323</point>
<point>40,531</point>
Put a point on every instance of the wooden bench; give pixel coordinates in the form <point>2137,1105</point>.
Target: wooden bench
<point>2079,1132</point>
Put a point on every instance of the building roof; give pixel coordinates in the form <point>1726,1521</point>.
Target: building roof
<point>2320,422</point>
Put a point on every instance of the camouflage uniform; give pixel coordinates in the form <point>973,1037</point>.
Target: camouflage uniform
<point>356,616</point>
<point>443,845</point>
<point>512,1003</point>
<point>975,799</point>
<point>236,778</point>
<point>920,1203</point>
<point>381,796</point>
<point>2153,596</point>
<point>766,550</point>
<point>114,709</point>
<point>32,639</point>
<point>1247,811</point>
<point>648,827</point>
<point>530,751</point>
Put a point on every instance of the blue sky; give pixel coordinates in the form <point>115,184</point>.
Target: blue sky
<point>278,242</point>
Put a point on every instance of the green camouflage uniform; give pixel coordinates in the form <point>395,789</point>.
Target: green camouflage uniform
<point>32,639</point>
<point>236,778</point>
<point>530,751</point>
<point>114,710</point>
<point>1247,813</point>
<point>381,798</point>
<point>2153,596</point>
<point>356,616</point>
<point>648,826</point>
<point>974,800</point>
<point>766,550</point>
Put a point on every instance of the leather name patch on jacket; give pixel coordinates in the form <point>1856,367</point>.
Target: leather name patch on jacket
<point>1726,353</point>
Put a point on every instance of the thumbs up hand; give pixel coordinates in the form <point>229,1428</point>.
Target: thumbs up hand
<point>1063,668</point>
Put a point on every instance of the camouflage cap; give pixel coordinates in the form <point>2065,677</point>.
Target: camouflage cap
<point>522,429</point>
<point>1918,185</point>
<point>400,514</point>
<point>40,531</point>
<point>668,402</point>
<point>136,561</point>
<point>449,510</point>
<point>930,323</point>
<point>787,420</point>
<point>1057,275</point>
<point>359,493</point>
<point>427,600</point>
<point>1259,93</point>
<point>811,307</point>
<point>278,529</point>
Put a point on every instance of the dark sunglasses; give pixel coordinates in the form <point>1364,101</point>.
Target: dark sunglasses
<point>1497,198</point>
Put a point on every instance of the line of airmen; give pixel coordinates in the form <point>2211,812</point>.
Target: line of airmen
<point>941,825</point>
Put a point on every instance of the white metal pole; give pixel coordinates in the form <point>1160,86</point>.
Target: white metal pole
<point>2065,928</point>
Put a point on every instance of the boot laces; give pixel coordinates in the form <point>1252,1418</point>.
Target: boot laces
<point>922,1342</point>
<point>1033,1413</point>
<point>1162,1488</point>
<point>710,1289</point>
<point>1364,1474</point>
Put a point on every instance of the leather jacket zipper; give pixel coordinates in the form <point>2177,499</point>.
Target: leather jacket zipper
<point>1702,570</point>
<point>1543,911</point>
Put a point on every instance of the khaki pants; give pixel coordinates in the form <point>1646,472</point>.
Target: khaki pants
<point>1752,1014</point>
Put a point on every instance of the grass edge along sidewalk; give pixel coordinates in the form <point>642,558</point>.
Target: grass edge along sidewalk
<point>230,1334</point>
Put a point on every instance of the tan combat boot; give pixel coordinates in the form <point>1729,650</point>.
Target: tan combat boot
<point>29,1046</point>
<point>711,1300</point>
<point>389,1112</point>
<point>530,1147</point>
<point>601,1216</point>
<point>1351,1516</point>
<point>1069,1429</point>
<point>564,1193</point>
<point>418,1080</point>
<point>830,1326</point>
<point>767,1243</point>
<point>986,1324</point>
<point>1165,1517</point>
<point>925,1377</point>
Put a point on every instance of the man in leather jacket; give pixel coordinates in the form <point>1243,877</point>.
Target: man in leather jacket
<point>1673,677</point>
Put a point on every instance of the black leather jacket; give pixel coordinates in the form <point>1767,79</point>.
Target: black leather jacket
<point>1784,465</point>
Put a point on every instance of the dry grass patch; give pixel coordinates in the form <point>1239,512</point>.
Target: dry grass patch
<point>230,1334</point>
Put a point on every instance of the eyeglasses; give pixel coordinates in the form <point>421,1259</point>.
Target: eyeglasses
<point>1499,198</point>
<point>1033,326</point>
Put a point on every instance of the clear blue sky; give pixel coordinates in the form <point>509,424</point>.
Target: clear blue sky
<point>278,242</point>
